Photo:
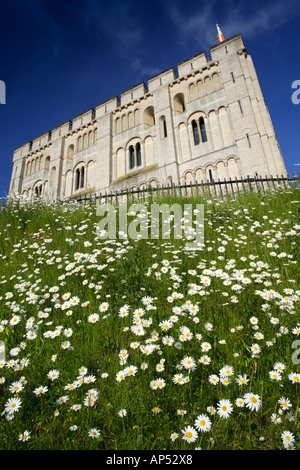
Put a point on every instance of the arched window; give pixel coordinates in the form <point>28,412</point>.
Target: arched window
<point>130,119</point>
<point>135,155</point>
<point>249,141</point>
<point>53,176</point>
<point>138,154</point>
<point>216,81</point>
<point>82,177</point>
<point>193,93</point>
<point>195,133</point>
<point>163,127</point>
<point>90,138</point>
<point>79,144</point>
<point>200,87</point>
<point>124,122</point>
<point>85,141</point>
<point>179,104</point>
<point>136,117</point>
<point>118,125</point>
<point>131,157</point>
<point>47,163</point>
<point>36,164</point>
<point>199,131</point>
<point>203,130</point>
<point>79,178</point>
<point>208,85</point>
<point>149,119</point>
<point>70,153</point>
<point>38,190</point>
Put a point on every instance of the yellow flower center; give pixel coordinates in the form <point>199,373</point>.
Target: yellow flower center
<point>202,422</point>
<point>189,435</point>
<point>253,399</point>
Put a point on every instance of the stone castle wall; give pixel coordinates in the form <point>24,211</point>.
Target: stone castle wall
<point>207,121</point>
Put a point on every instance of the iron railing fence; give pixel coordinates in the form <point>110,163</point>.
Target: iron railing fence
<point>215,188</point>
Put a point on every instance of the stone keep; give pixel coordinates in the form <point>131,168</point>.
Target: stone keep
<point>206,122</point>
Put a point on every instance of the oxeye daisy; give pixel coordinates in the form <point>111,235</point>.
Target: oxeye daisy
<point>252,401</point>
<point>76,407</point>
<point>294,378</point>
<point>225,380</point>
<point>154,384</point>
<point>82,371</point>
<point>161,383</point>
<point>12,405</point>
<point>213,379</point>
<point>239,402</point>
<point>189,434</point>
<point>93,318</point>
<point>25,436</point>
<point>40,390</point>
<point>274,375</point>
<point>53,374</point>
<point>188,363</point>
<point>130,370</point>
<point>226,371</point>
<point>205,360</point>
<point>156,410</point>
<point>178,379</point>
<point>203,423</point>
<point>160,367</point>
<point>94,433</point>
<point>285,403</point>
<point>275,418</point>
<point>242,380</point>
<point>120,376</point>
<point>16,387</point>
<point>287,438</point>
<point>224,408</point>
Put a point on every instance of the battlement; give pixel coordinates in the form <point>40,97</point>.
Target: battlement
<point>161,79</point>
<point>137,92</point>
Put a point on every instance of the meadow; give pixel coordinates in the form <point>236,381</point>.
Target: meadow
<point>122,344</point>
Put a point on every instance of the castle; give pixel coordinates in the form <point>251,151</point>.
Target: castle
<point>206,122</point>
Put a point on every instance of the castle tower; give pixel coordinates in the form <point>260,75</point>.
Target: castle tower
<point>206,121</point>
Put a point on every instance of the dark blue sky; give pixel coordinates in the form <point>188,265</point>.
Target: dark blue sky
<point>61,58</point>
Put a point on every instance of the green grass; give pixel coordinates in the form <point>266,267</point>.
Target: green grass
<point>49,252</point>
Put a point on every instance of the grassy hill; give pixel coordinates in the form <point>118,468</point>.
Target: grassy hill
<point>141,344</point>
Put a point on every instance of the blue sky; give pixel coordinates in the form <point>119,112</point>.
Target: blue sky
<point>61,58</point>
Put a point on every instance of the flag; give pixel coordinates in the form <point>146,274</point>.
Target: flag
<point>220,36</point>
